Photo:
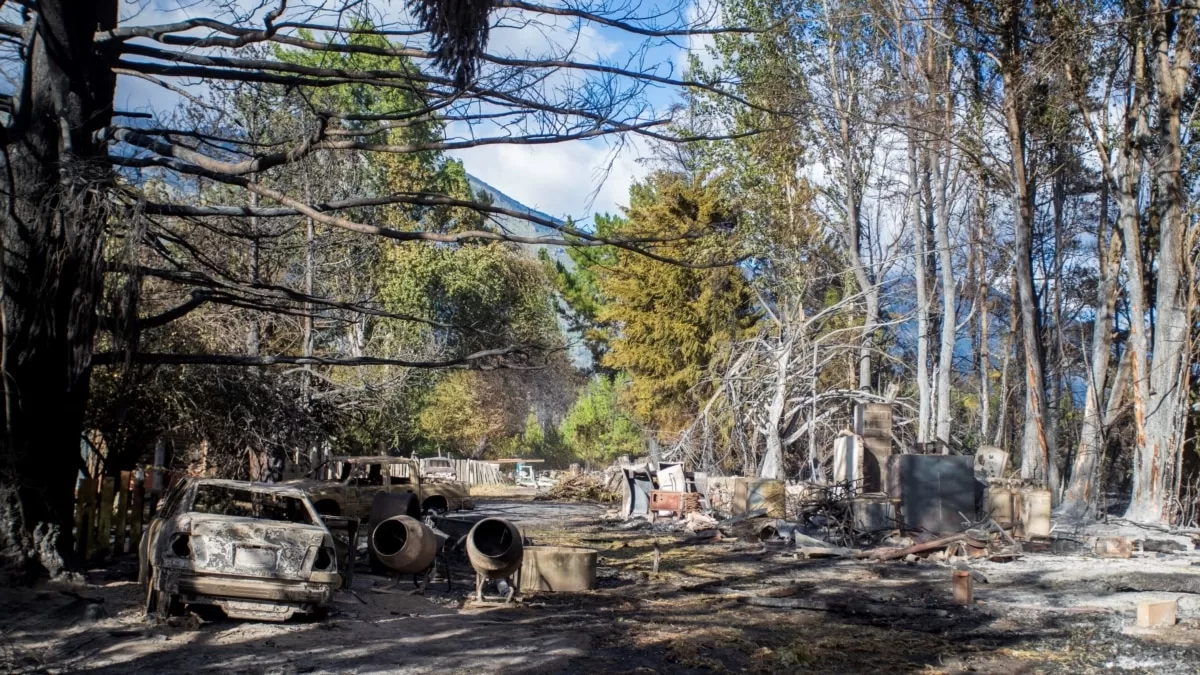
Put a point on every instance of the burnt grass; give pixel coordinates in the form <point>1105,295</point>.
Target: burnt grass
<point>1035,615</point>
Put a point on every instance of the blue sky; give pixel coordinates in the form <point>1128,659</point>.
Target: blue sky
<point>574,179</point>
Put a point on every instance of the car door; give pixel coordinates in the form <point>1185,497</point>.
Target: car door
<point>367,481</point>
<point>148,546</point>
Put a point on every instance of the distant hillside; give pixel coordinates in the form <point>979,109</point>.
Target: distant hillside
<point>520,227</point>
<point>579,354</point>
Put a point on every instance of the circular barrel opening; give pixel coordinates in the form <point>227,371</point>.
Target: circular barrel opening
<point>492,538</point>
<point>390,537</point>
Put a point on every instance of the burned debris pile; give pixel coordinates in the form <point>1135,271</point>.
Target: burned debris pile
<point>879,505</point>
<point>579,488</point>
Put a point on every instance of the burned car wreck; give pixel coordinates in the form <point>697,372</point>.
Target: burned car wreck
<point>256,551</point>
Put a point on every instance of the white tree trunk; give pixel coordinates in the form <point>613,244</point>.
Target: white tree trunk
<point>1164,386</point>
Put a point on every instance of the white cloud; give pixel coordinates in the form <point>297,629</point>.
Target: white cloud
<point>560,179</point>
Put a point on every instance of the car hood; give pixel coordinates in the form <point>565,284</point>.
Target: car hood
<point>308,484</point>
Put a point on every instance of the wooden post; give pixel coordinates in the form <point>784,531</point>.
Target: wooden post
<point>105,514</point>
<point>82,513</point>
<point>89,536</point>
<point>122,512</point>
<point>964,591</point>
<point>137,514</point>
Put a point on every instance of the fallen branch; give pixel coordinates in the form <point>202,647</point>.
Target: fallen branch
<point>898,553</point>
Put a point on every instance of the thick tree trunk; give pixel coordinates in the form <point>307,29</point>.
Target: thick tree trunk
<point>1078,500</point>
<point>1173,35</point>
<point>1036,463</point>
<point>985,359</point>
<point>55,174</point>
<point>866,284</point>
<point>921,274</point>
<point>772,464</point>
<point>949,327</point>
<point>1010,348</point>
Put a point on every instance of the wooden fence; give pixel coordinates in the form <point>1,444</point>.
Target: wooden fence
<point>470,471</point>
<point>478,473</point>
<point>109,515</point>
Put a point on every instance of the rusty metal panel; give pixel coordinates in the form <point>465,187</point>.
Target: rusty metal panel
<point>666,500</point>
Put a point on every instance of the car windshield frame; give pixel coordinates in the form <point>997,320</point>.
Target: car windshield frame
<point>263,505</point>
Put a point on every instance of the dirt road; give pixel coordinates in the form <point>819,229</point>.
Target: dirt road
<point>699,613</point>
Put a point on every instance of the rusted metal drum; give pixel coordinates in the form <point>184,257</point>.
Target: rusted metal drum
<point>495,548</point>
<point>404,544</point>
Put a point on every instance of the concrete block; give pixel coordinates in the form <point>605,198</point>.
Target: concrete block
<point>999,504</point>
<point>873,514</point>
<point>1153,614</point>
<point>1114,547</point>
<point>875,427</point>
<point>558,569</point>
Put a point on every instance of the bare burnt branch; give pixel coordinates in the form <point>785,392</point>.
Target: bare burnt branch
<point>491,358</point>
<point>278,292</point>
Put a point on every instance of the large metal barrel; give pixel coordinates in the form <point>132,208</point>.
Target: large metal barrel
<point>404,544</point>
<point>495,548</point>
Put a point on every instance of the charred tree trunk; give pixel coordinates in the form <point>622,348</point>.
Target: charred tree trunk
<point>55,171</point>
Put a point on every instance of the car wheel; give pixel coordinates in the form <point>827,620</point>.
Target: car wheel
<point>161,604</point>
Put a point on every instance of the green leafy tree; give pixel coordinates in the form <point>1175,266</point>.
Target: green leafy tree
<point>670,322</point>
<point>579,290</point>
<point>598,428</point>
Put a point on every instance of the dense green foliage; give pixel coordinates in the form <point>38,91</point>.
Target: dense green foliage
<point>599,428</point>
<point>670,322</point>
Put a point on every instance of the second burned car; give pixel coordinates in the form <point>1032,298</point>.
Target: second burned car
<point>346,486</point>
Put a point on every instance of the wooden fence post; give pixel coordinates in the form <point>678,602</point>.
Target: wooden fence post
<point>89,524</point>
<point>137,514</point>
<point>122,509</point>
<point>105,513</point>
<point>82,515</point>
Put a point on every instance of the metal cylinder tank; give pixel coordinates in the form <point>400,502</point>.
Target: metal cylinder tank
<point>404,544</point>
<point>495,548</point>
<point>558,569</point>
